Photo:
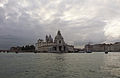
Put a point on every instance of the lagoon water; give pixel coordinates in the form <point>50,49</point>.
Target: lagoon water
<point>53,65</point>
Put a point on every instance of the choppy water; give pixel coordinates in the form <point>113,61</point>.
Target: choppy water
<point>66,65</point>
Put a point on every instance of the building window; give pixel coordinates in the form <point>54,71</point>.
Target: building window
<point>59,41</point>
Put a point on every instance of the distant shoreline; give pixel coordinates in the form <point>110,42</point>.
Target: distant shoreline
<point>57,52</point>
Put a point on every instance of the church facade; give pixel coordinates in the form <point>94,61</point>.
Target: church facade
<point>54,45</point>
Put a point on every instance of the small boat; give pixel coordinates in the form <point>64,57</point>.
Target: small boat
<point>81,51</point>
<point>106,52</point>
<point>35,51</point>
<point>16,52</point>
<point>88,51</point>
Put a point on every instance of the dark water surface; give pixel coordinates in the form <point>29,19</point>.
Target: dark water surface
<point>66,65</point>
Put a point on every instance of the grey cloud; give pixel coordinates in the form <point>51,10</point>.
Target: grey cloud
<point>23,22</point>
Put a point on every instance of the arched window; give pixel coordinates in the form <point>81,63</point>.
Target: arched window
<point>60,41</point>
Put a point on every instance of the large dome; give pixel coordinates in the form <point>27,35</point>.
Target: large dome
<point>58,36</point>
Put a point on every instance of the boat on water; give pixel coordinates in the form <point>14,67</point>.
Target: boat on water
<point>16,51</point>
<point>81,51</point>
<point>106,52</point>
<point>88,51</point>
<point>106,49</point>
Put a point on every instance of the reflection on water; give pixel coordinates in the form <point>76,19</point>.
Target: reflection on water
<point>112,64</point>
<point>66,65</point>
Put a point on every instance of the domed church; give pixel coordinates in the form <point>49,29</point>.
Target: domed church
<point>56,45</point>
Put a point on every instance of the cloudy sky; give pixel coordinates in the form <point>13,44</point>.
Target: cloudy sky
<point>80,21</point>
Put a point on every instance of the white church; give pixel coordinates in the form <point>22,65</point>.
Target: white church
<point>56,45</point>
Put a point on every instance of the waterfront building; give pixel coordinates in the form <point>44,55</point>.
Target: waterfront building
<point>104,47</point>
<point>115,47</point>
<point>56,45</point>
<point>98,47</point>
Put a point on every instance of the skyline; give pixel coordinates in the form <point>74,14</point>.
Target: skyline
<point>80,21</point>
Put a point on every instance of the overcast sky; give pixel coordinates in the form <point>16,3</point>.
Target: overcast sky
<point>80,21</point>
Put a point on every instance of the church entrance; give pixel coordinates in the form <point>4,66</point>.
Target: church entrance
<point>60,48</point>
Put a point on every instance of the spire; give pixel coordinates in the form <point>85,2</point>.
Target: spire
<point>50,38</point>
<point>46,36</point>
<point>58,33</point>
<point>47,39</point>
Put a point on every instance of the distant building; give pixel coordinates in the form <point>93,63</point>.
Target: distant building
<point>15,49</point>
<point>56,45</point>
<point>104,47</point>
<point>115,47</point>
